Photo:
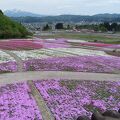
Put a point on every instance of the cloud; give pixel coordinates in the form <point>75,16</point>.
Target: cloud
<point>54,7</point>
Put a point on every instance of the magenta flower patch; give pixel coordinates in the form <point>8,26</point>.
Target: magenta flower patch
<point>100,64</point>
<point>17,103</point>
<point>69,99</point>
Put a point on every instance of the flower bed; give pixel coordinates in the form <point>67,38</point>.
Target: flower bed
<point>19,45</point>
<point>100,45</point>
<point>5,57</point>
<point>82,64</point>
<point>30,44</point>
<point>8,67</point>
<point>39,54</point>
<point>17,103</point>
<point>69,99</point>
<point>31,54</point>
<point>80,52</point>
<point>100,64</point>
<point>57,52</point>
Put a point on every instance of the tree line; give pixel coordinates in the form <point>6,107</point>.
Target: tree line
<point>103,27</point>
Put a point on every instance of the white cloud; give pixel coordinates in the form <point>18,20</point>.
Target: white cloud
<point>63,6</point>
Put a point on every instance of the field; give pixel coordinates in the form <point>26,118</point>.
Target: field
<point>58,79</point>
<point>91,37</point>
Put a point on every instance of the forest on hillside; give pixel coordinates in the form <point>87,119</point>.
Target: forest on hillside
<point>10,28</point>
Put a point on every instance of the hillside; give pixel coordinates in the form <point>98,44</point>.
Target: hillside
<point>10,28</point>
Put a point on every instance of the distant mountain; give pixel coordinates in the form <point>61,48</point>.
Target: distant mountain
<point>107,15</point>
<point>19,13</point>
<point>70,18</point>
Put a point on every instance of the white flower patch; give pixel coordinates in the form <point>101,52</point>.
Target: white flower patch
<point>4,57</point>
<point>31,54</point>
<point>75,41</point>
<point>81,52</point>
<point>57,52</point>
<point>39,54</point>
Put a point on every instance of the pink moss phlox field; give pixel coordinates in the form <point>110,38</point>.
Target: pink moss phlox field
<point>27,44</point>
<point>69,99</point>
<point>82,64</point>
<point>19,45</point>
<point>98,64</point>
<point>8,67</point>
<point>56,43</point>
<point>100,45</point>
<point>17,103</point>
<point>31,44</point>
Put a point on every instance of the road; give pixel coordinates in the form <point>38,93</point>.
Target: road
<point>10,78</point>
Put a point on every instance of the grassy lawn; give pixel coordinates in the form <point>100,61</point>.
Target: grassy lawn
<point>88,37</point>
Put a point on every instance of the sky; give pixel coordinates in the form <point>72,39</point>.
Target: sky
<point>57,7</point>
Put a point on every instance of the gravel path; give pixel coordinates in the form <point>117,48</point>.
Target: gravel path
<point>10,78</point>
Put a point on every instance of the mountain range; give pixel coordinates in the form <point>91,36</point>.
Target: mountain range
<point>19,13</point>
<point>28,17</point>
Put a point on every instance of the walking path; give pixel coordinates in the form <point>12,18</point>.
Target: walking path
<point>10,78</point>
<point>20,64</point>
<point>45,111</point>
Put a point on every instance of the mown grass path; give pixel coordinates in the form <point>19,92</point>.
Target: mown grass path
<point>45,111</point>
<point>20,64</point>
<point>9,78</point>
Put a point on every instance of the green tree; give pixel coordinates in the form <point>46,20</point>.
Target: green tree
<point>1,12</point>
<point>68,27</point>
<point>46,27</point>
<point>59,26</point>
<point>107,26</point>
<point>102,28</point>
<point>114,26</point>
